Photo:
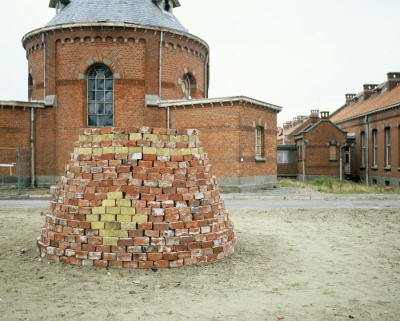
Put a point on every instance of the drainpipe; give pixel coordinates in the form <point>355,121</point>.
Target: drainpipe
<point>367,152</point>
<point>160,77</point>
<point>206,77</point>
<point>32,139</point>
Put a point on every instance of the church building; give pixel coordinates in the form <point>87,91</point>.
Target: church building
<point>130,64</point>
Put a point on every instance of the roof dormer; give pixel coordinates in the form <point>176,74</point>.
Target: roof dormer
<point>167,5</point>
<point>58,4</point>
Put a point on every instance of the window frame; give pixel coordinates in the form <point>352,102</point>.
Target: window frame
<point>375,148</point>
<point>259,144</point>
<point>387,148</point>
<point>332,152</point>
<point>363,150</point>
<point>94,91</point>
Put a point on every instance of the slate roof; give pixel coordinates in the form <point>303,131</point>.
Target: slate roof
<point>362,107</point>
<point>142,12</point>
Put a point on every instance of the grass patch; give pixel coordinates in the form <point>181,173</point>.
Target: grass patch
<point>297,285</point>
<point>353,300</point>
<point>383,302</point>
<point>327,184</point>
<point>329,292</point>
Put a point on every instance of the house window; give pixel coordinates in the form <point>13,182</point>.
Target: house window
<point>30,87</point>
<point>187,84</point>
<point>285,156</point>
<point>375,148</point>
<point>259,132</point>
<point>362,148</point>
<point>166,6</point>
<point>300,151</point>
<point>100,97</point>
<point>387,147</point>
<point>332,152</point>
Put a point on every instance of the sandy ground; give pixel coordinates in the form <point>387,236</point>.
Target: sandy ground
<point>291,264</point>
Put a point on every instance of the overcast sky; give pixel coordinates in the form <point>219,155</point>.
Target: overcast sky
<point>297,54</point>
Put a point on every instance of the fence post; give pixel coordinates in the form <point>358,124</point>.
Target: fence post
<point>18,171</point>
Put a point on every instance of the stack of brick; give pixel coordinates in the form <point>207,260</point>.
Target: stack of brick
<point>137,198</point>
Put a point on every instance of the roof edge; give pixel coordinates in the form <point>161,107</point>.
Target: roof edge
<point>375,111</point>
<point>54,28</point>
<point>251,101</point>
<point>23,104</point>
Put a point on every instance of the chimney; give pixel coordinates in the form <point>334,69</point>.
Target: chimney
<point>314,116</point>
<point>287,125</point>
<point>349,98</point>
<point>295,122</point>
<point>324,114</point>
<point>393,80</point>
<point>369,90</point>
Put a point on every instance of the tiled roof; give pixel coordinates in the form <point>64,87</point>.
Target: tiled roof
<point>353,109</point>
<point>142,12</point>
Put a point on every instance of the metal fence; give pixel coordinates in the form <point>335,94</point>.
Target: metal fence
<point>15,168</point>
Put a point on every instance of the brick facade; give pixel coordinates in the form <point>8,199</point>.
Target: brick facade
<point>149,65</point>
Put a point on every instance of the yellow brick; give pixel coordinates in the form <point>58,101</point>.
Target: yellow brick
<point>164,138</point>
<point>113,210</point>
<point>128,211</point>
<point>105,232</point>
<point>114,195</point>
<point>135,149</point>
<point>184,138</point>
<point>76,150</point>
<point>127,226</point>
<point>162,151</point>
<point>124,203</point>
<point>201,150</point>
<point>139,218</point>
<point>97,225</point>
<point>119,233</point>
<point>152,137</point>
<point>98,210</point>
<point>109,202</point>
<point>112,226</point>
<point>185,151</point>
<point>107,218</point>
<point>92,218</point>
<point>122,150</point>
<point>194,151</point>
<point>173,138</point>
<point>108,137</point>
<point>149,150</point>
<point>97,138</point>
<point>113,241</point>
<point>85,138</point>
<point>193,138</point>
<point>121,136</point>
<point>88,150</point>
<point>124,218</point>
<point>97,150</point>
<point>135,136</point>
<point>175,151</point>
<point>108,150</point>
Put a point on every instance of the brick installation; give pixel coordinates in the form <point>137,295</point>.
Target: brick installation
<point>137,198</point>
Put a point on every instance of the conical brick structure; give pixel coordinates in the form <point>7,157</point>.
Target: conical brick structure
<point>137,198</point>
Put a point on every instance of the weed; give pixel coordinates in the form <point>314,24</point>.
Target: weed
<point>329,292</point>
<point>353,300</point>
<point>297,285</point>
<point>42,213</point>
<point>356,226</point>
<point>383,302</point>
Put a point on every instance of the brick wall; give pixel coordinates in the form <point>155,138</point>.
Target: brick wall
<point>377,121</point>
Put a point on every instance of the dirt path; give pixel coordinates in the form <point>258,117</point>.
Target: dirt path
<point>300,265</point>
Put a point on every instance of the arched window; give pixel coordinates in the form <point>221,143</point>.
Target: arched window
<point>187,84</point>
<point>100,97</point>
